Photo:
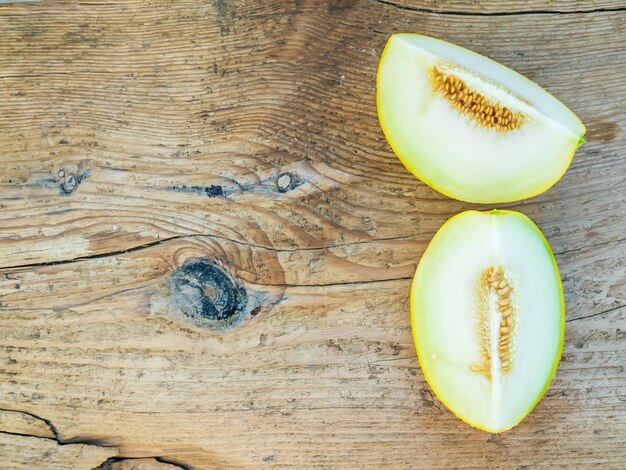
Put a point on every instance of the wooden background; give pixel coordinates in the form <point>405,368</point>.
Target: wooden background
<point>165,161</point>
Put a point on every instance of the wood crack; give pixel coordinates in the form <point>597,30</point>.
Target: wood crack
<point>110,463</point>
<point>593,245</point>
<point>56,437</point>
<point>613,309</point>
<point>197,235</point>
<point>347,283</point>
<point>172,462</point>
<point>498,13</point>
<point>21,434</point>
<point>48,423</point>
<point>98,255</point>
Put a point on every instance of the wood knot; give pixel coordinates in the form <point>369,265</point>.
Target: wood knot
<point>218,286</point>
<point>207,294</point>
<point>285,181</point>
<point>70,180</point>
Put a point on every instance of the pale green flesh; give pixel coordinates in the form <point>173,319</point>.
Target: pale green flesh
<point>456,155</point>
<point>444,316</point>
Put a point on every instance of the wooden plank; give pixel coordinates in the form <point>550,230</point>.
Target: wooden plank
<point>328,377</point>
<point>143,129</point>
<point>209,158</point>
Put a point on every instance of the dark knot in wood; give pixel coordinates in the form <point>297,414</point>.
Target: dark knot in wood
<point>285,181</point>
<point>70,180</point>
<point>207,294</point>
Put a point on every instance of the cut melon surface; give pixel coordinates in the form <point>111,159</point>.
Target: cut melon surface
<point>488,317</point>
<point>468,126</point>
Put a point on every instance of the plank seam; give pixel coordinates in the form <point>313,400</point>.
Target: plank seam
<point>198,235</point>
<point>497,13</point>
<point>252,245</point>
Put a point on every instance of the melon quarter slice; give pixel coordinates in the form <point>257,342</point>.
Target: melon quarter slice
<point>468,126</point>
<point>488,317</point>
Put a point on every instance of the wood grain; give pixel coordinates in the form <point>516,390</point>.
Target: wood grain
<point>138,138</point>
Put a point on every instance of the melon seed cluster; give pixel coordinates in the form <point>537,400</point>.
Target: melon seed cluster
<point>493,280</point>
<point>472,103</point>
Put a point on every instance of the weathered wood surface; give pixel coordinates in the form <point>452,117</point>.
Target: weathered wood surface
<point>137,137</point>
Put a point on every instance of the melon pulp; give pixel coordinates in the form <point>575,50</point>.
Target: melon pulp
<point>488,317</point>
<point>468,126</point>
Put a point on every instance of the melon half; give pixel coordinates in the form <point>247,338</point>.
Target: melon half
<point>488,317</point>
<point>468,126</point>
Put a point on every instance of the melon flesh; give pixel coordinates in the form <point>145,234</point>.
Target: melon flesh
<point>452,152</point>
<point>457,322</point>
